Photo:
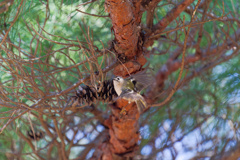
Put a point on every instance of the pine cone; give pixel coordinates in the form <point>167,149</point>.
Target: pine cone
<point>86,94</point>
<point>38,134</point>
<point>107,93</point>
<point>104,92</point>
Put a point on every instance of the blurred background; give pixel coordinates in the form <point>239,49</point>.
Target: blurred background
<point>49,48</point>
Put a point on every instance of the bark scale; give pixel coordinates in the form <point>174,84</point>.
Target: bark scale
<point>123,134</point>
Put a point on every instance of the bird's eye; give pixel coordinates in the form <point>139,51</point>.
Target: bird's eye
<point>118,79</point>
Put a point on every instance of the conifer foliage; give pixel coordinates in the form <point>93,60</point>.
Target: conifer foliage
<point>57,99</point>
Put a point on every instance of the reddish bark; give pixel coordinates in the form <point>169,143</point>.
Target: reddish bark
<point>130,67</point>
<point>126,17</point>
<point>123,127</point>
<point>128,43</point>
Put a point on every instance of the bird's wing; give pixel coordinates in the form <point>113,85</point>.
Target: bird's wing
<point>126,92</point>
<point>142,80</point>
<point>130,95</point>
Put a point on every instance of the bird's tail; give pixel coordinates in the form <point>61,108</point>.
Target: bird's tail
<point>141,104</point>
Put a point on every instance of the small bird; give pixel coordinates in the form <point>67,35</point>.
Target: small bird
<point>130,88</point>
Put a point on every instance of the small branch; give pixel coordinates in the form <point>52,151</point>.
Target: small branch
<point>173,14</point>
<point>150,12</point>
<point>182,63</point>
<point>94,15</point>
<point>173,65</point>
<point>232,154</point>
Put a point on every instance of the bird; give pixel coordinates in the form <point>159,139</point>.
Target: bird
<point>130,88</point>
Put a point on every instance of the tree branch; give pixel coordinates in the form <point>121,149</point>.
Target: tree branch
<point>161,25</point>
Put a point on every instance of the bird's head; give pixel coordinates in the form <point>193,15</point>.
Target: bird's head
<point>118,83</point>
